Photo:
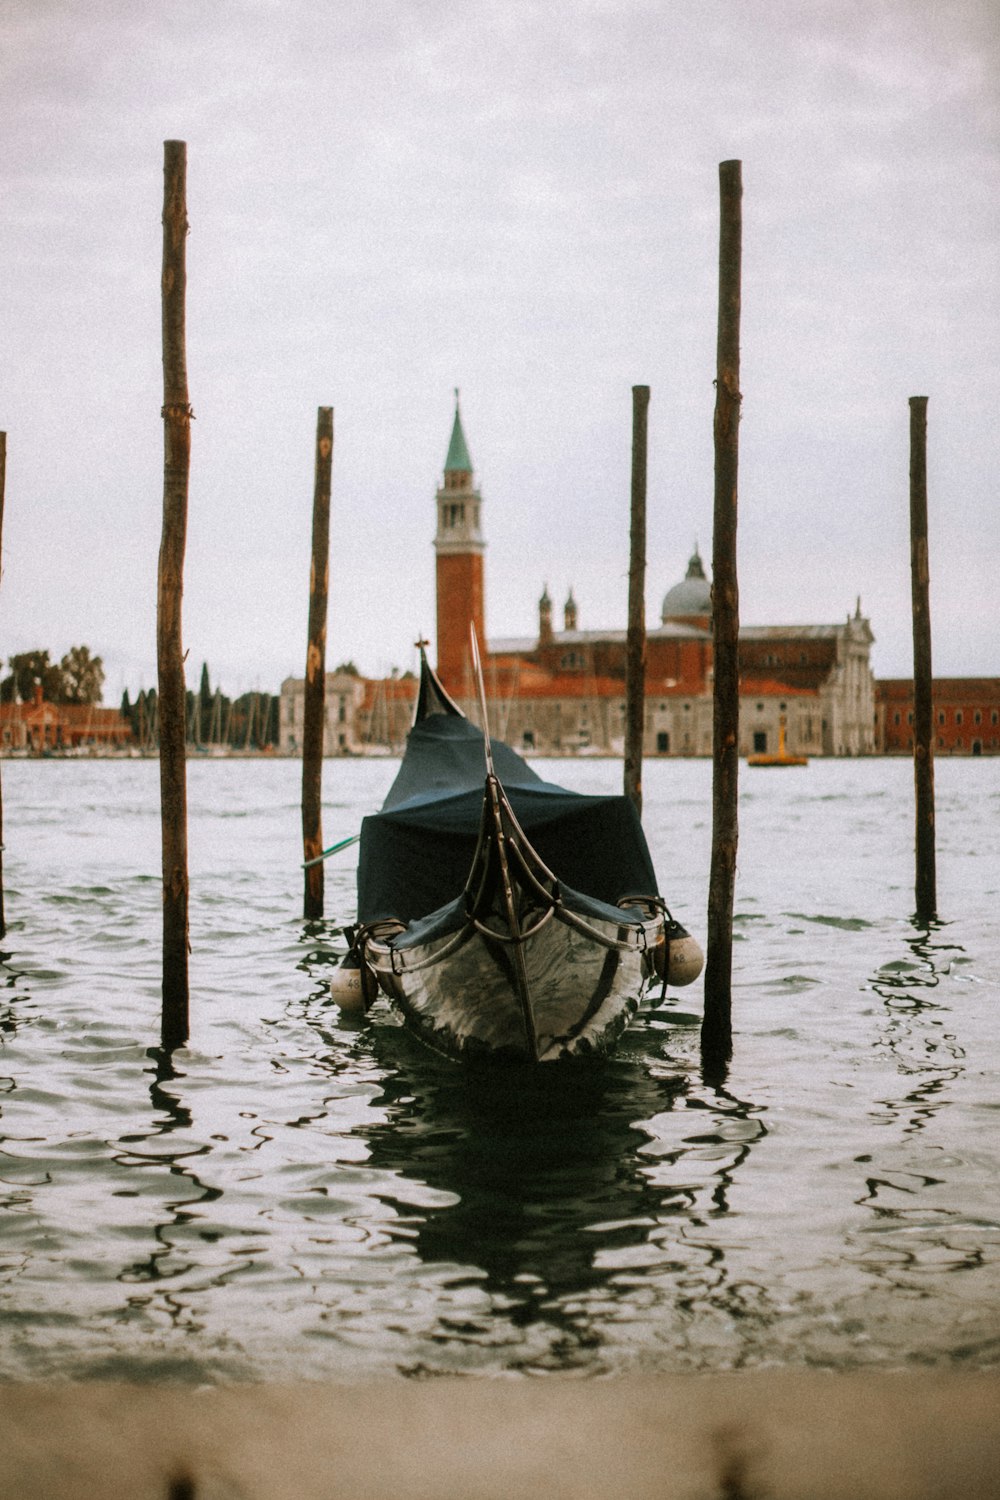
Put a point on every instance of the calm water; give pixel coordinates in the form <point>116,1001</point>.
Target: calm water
<point>296,1197</point>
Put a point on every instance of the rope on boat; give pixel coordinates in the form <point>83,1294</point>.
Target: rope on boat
<point>333,849</point>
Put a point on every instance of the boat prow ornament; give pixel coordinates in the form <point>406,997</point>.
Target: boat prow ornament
<point>504,917</point>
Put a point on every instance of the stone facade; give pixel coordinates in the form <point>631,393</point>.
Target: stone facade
<point>344,695</point>
<point>362,716</point>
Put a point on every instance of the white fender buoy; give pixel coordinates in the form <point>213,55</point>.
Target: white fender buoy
<point>686,960</point>
<point>345,989</point>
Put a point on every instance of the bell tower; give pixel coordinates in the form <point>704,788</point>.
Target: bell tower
<point>459,548</point>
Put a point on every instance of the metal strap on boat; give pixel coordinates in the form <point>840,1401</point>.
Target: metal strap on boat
<point>564,914</point>
<point>526,932</point>
<point>381,932</point>
<point>360,937</point>
<point>557,908</point>
<point>656,904</point>
<point>636,941</point>
<point>400,966</point>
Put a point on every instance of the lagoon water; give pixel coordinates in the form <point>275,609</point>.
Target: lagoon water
<point>298,1197</point>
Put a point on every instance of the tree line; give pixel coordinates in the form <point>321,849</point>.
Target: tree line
<point>77,678</point>
<point>249,722</point>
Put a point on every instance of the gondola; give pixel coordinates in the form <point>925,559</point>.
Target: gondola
<point>505,917</point>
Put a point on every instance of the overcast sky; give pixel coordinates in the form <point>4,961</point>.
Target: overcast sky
<point>393,198</point>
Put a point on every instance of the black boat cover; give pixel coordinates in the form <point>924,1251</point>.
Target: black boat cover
<point>417,851</point>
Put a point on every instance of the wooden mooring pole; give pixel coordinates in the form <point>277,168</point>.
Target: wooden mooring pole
<point>3,488</point>
<point>716,1031</point>
<point>923,706</point>
<point>315,690</point>
<point>635,650</point>
<point>177,416</point>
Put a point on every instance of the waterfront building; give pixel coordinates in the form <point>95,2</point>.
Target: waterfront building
<point>361,715</point>
<point>83,728</point>
<point>966,715</point>
<point>819,676</point>
<point>563,691</point>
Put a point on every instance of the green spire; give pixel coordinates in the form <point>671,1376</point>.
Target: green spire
<point>458,453</point>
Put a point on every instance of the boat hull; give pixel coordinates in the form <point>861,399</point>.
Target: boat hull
<point>460,992</point>
<point>490,943</point>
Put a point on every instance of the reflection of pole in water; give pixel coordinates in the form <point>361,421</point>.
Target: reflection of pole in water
<point>915,1230</point>
<point>703,1284</point>
<point>913,1029</point>
<point>170,1115</point>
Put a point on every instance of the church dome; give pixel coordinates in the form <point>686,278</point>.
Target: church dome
<point>690,599</point>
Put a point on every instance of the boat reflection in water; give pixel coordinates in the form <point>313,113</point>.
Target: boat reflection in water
<point>533,1198</point>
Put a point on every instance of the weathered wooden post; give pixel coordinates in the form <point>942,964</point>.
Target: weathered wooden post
<point>716,1030</point>
<point>923,706</point>
<point>3,487</point>
<point>171,696</point>
<point>635,650</point>
<point>315,689</point>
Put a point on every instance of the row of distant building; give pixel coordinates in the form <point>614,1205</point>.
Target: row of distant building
<point>365,716</point>
<point>562,691</point>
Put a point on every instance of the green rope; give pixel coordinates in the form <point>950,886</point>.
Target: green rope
<point>333,849</point>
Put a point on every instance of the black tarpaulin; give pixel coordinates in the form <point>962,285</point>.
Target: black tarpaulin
<point>417,851</point>
<point>445,755</point>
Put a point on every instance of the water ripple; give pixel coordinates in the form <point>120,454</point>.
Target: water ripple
<point>299,1196</point>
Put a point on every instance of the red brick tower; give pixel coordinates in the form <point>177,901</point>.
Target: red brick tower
<point>459,546</point>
